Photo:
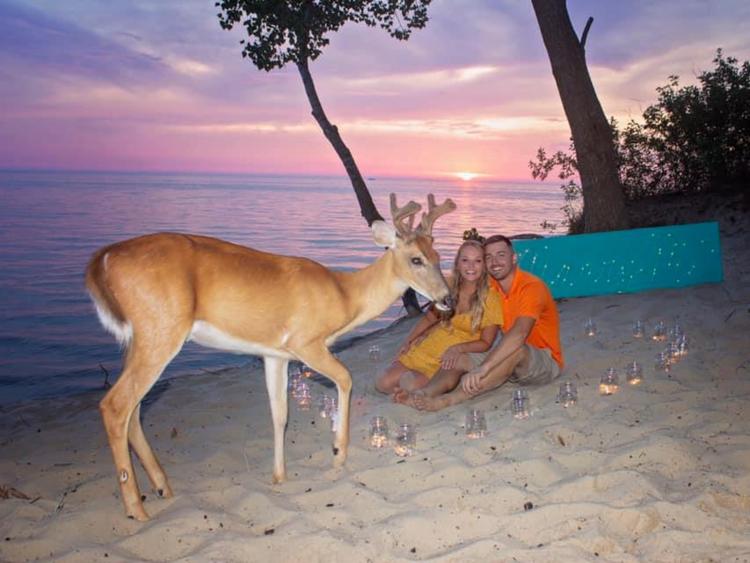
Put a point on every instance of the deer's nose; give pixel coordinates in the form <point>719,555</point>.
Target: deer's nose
<point>445,304</point>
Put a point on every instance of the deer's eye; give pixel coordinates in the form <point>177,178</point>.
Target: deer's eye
<point>417,261</point>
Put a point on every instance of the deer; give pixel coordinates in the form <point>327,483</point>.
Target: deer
<point>158,291</point>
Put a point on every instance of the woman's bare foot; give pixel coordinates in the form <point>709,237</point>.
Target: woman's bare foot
<point>404,397</point>
<point>400,395</point>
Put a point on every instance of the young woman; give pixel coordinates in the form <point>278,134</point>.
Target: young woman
<point>436,343</point>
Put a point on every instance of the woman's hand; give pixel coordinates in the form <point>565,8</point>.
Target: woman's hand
<point>419,332</point>
<point>404,348</point>
<point>408,344</point>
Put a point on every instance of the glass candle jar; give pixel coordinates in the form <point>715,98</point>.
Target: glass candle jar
<point>664,361</point>
<point>519,405</point>
<point>568,395</point>
<point>682,345</point>
<point>378,432</point>
<point>295,373</point>
<point>634,373</point>
<point>660,332</point>
<point>610,382</point>
<point>639,330</point>
<point>327,406</point>
<point>674,352</point>
<point>303,395</point>
<point>589,327</point>
<point>405,440</point>
<point>476,424</point>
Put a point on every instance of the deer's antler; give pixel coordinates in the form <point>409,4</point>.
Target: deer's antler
<point>398,214</point>
<point>433,212</point>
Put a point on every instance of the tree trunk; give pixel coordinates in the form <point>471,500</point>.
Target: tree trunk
<point>603,197</point>
<point>366,205</point>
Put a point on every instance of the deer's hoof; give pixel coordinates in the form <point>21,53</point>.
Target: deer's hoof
<point>139,514</point>
<point>165,492</point>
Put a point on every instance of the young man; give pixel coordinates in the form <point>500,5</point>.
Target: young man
<point>529,352</point>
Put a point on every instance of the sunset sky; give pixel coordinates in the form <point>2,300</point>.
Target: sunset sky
<point>159,86</point>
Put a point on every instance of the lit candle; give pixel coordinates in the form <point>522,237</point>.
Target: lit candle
<point>294,376</point>
<point>568,394</point>
<point>589,327</point>
<point>378,432</point>
<point>682,345</point>
<point>664,361</point>
<point>520,404</point>
<point>327,406</point>
<point>406,440</point>
<point>303,395</point>
<point>634,373</point>
<point>378,440</point>
<point>660,332</point>
<point>675,331</point>
<point>609,384</point>
<point>638,330</point>
<point>673,350</point>
<point>476,424</point>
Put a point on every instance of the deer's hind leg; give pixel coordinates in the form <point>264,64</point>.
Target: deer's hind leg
<point>145,361</point>
<point>142,448</point>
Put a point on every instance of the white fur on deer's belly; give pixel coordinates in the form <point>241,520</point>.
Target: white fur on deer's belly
<point>206,334</point>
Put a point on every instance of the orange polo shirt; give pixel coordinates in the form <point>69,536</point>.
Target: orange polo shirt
<point>529,296</point>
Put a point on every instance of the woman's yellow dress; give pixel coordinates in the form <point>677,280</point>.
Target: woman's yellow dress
<point>425,355</point>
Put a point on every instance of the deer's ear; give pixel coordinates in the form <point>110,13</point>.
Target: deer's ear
<point>383,234</point>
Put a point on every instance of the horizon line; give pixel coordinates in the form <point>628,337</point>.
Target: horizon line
<point>443,177</point>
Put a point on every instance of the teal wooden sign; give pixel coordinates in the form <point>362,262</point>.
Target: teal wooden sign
<point>625,261</point>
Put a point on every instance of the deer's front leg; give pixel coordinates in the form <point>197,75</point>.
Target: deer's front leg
<point>341,442</point>
<point>321,360</point>
<point>276,383</point>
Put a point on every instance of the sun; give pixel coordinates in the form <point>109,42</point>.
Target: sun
<point>466,176</point>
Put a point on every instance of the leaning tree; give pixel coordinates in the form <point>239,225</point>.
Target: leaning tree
<point>603,197</point>
<point>296,31</point>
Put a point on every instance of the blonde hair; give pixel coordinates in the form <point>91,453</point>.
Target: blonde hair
<point>476,301</point>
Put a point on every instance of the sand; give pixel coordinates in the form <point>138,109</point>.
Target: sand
<point>655,472</point>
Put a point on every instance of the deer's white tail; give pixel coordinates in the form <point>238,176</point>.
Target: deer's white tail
<point>96,275</point>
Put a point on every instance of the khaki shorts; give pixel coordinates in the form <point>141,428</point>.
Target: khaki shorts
<point>542,368</point>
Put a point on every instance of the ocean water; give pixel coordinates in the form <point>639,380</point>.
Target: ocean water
<point>51,343</point>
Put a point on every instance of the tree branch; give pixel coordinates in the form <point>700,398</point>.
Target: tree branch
<point>586,32</point>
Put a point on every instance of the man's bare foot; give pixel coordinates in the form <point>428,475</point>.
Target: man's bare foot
<point>422,402</point>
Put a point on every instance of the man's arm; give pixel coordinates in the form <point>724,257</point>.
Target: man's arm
<point>509,345</point>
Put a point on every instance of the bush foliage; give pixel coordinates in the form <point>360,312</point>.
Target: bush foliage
<point>694,139</point>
